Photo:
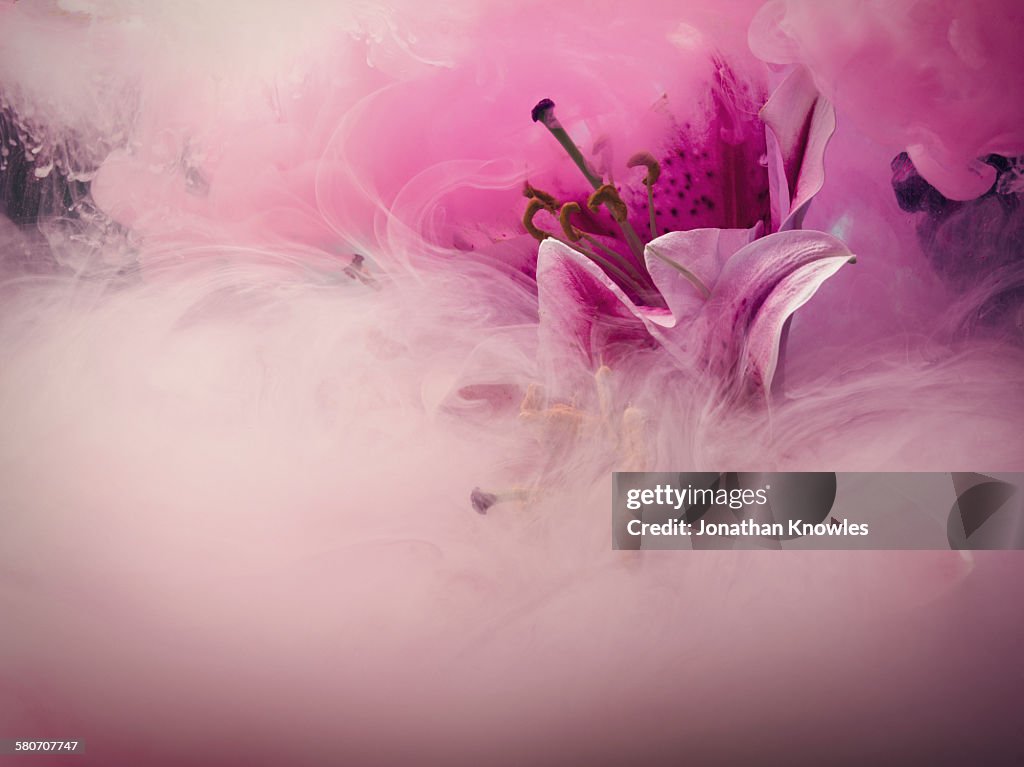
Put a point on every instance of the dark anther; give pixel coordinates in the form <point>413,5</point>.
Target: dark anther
<point>482,501</point>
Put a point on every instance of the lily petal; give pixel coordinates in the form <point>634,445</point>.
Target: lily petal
<point>584,316</point>
<point>702,253</point>
<point>761,356</point>
<point>745,284</point>
<point>799,123</point>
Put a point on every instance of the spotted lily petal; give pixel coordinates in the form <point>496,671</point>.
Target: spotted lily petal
<point>748,285</point>
<point>799,123</point>
<point>584,316</point>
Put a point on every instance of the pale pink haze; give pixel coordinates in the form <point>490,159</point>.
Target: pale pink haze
<point>235,520</point>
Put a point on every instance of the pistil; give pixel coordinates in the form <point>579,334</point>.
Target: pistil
<point>544,113</point>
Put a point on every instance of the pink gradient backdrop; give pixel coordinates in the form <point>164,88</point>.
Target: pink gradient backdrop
<point>234,515</point>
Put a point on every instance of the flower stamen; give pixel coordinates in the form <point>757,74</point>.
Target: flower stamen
<point>482,500</point>
<point>533,207</point>
<point>574,235</point>
<point>571,232</point>
<point>608,195</point>
<point>530,191</point>
<point>653,172</point>
<point>625,271</point>
<point>646,159</point>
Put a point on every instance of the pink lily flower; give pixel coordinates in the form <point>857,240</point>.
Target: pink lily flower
<point>718,299</point>
<point>716,291</point>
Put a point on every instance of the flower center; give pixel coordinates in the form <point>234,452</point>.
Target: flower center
<point>630,274</point>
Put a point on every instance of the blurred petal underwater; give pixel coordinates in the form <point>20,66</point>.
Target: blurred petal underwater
<point>946,101</point>
<point>268,314</point>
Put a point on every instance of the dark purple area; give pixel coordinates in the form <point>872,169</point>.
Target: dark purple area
<point>976,246</point>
